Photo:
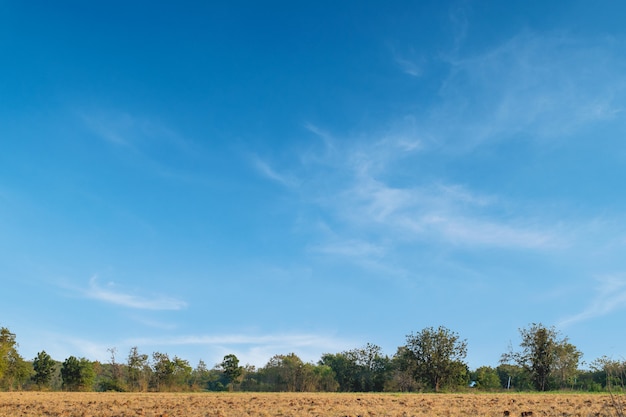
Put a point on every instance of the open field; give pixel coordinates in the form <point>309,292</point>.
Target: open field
<point>24,404</point>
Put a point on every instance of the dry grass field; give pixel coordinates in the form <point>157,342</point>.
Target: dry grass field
<point>22,404</point>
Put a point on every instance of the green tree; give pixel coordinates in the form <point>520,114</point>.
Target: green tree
<point>344,368</point>
<point>514,377</point>
<point>288,373</point>
<point>138,370</point>
<point>436,357</point>
<point>201,376</point>
<point>77,374</point>
<point>372,367</point>
<point>486,378</point>
<point>13,369</point>
<point>44,368</point>
<point>359,370</point>
<point>402,373</point>
<point>8,347</point>
<point>325,378</point>
<point>565,369</point>
<point>232,371</point>
<point>163,371</point>
<point>543,355</point>
<point>182,373</point>
<point>611,374</point>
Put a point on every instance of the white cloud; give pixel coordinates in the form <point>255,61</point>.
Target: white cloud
<point>408,67</point>
<point>147,143</point>
<point>542,86</point>
<point>610,296</point>
<point>267,171</point>
<point>350,248</point>
<point>252,349</point>
<point>112,296</point>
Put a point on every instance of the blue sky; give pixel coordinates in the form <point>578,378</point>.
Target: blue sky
<point>206,178</point>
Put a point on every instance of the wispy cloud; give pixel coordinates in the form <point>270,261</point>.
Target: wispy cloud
<point>610,296</point>
<point>268,172</point>
<point>151,144</point>
<point>539,85</point>
<point>445,212</point>
<point>253,349</point>
<point>408,67</point>
<point>110,295</point>
<point>350,248</point>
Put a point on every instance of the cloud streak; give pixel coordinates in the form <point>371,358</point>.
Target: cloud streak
<point>268,172</point>
<point>541,86</point>
<point>111,296</point>
<point>610,296</point>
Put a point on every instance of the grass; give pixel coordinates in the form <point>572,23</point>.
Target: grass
<point>53,404</point>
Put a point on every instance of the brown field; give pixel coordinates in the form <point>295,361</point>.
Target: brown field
<point>20,404</point>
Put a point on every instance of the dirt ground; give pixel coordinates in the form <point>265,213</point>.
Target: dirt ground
<point>26,404</point>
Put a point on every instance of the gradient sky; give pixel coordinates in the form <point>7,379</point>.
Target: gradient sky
<point>260,178</point>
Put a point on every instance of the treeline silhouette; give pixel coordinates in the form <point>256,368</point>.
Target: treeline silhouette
<point>432,360</point>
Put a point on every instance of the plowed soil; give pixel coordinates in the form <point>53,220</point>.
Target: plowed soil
<point>23,404</point>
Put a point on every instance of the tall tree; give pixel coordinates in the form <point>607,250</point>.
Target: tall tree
<point>163,371</point>
<point>182,373</point>
<point>8,346</point>
<point>344,368</point>
<point>486,378</point>
<point>232,371</point>
<point>77,374</point>
<point>13,369</point>
<point>138,370</point>
<point>288,373</point>
<point>566,361</point>
<point>44,368</point>
<point>359,370</point>
<point>543,353</point>
<point>436,357</point>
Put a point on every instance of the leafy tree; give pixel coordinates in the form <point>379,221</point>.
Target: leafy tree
<point>359,370</point>
<point>514,377</point>
<point>436,357</point>
<point>486,378</point>
<point>182,373</point>
<point>344,368</point>
<point>77,374</point>
<point>402,373</point>
<point>565,369</point>
<point>44,367</point>
<point>542,354</point>
<point>13,369</point>
<point>325,378</point>
<point>609,372</point>
<point>163,371</point>
<point>202,378</point>
<point>8,346</point>
<point>289,373</point>
<point>372,367</point>
<point>138,370</point>
<point>232,371</point>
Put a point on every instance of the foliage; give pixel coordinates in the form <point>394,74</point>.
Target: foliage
<point>138,370</point>
<point>486,378</point>
<point>359,370</point>
<point>435,357</point>
<point>44,367</point>
<point>232,371</point>
<point>545,357</point>
<point>77,374</point>
<point>13,369</point>
<point>514,377</point>
<point>432,359</point>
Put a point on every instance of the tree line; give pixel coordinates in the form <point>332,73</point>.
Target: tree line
<point>431,360</point>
